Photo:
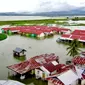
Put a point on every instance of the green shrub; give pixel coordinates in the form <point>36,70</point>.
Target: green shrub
<point>2,36</point>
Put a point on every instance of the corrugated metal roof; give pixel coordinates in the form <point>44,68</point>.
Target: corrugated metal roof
<point>79,60</point>
<point>75,37</point>
<point>19,50</point>
<point>31,29</point>
<point>66,35</point>
<point>33,63</point>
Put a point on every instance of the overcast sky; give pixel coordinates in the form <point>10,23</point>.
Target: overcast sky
<point>39,5</point>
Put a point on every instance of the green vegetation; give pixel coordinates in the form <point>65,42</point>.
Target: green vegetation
<point>2,36</point>
<point>30,80</point>
<point>78,18</point>
<point>34,22</point>
<point>73,48</point>
<point>58,21</point>
<point>21,58</point>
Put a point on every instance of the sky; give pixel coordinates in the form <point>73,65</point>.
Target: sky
<point>39,5</point>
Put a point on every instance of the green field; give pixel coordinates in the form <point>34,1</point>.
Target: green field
<point>34,22</point>
<point>57,21</point>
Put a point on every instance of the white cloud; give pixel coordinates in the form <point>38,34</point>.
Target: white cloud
<point>39,5</point>
<point>18,5</point>
<point>77,3</point>
<point>54,5</point>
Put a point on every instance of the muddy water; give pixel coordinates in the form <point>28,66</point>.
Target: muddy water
<point>34,47</point>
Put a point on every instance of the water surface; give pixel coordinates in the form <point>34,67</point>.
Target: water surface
<point>34,47</point>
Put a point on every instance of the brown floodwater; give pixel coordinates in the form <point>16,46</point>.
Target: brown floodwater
<point>34,47</point>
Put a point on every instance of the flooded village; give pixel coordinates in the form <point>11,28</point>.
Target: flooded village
<point>37,55</point>
<point>42,42</point>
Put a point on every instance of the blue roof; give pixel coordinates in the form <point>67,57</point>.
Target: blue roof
<point>19,50</point>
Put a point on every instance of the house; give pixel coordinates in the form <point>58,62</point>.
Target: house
<point>40,34</point>
<point>79,62</point>
<point>19,52</point>
<point>46,70</point>
<point>76,34</point>
<point>64,31</point>
<point>51,68</point>
<point>68,77</point>
<point>10,30</point>
<point>10,82</point>
<point>33,63</point>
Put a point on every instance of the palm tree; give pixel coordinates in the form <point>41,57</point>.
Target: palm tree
<point>73,48</point>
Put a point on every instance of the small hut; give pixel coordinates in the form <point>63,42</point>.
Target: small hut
<point>19,52</point>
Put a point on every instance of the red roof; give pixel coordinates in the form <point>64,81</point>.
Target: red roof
<point>79,32</point>
<point>54,28</point>
<point>12,28</point>
<point>75,36</point>
<point>51,67</point>
<point>32,29</point>
<point>59,68</point>
<point>76,32</point>
<point>79,60</point>
<point>38,32</point>
<point>82,38</point>
<point>63,29</point>
<point>66,35</point>
<point>33,63</point>
<point>55,81</point>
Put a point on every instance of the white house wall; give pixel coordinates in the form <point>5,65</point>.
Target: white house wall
<point>38,73</point>
<point>41,35</point>
<point>46,75</point>
<point>49,83</point>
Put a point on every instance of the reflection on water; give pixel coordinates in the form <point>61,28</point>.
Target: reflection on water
<point>21,58</point>
<point>34,47</point>
<point>31,81</point>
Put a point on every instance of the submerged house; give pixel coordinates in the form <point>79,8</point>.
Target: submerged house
<point>76,34</point>
<point>35,31</point>
<point>40,34</point>
<point>11,30</point>
<point>17,52</point>
<point>64,31</point>
<point>30,65</point>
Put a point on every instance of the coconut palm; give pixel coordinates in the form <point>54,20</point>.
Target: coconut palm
<point>73,48</point>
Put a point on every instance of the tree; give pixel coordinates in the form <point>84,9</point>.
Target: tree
<point>73,48</point>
